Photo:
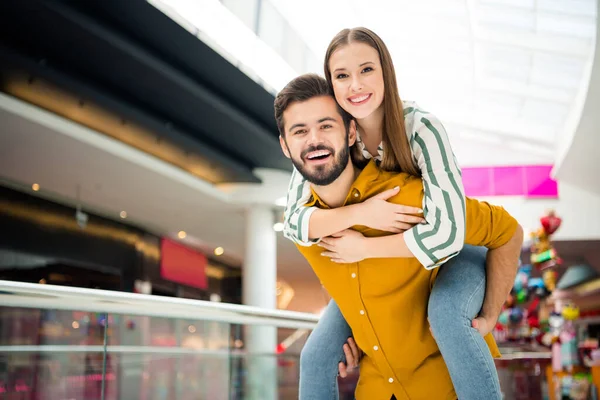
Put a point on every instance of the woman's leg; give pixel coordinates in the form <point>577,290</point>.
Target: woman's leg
<point>456,299</point>
<point>321,355</point>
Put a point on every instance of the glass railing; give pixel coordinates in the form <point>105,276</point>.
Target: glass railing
<point>71,343</point>
<point>63,343</point>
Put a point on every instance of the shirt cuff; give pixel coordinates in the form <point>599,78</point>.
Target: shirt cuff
<point>303,239</point>
<point>415,249</point>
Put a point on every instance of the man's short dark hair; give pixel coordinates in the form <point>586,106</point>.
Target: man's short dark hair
<point>300,89</point>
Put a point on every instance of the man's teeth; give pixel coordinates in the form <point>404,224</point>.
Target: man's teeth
<point>359,99</point>
<point>318,154</point>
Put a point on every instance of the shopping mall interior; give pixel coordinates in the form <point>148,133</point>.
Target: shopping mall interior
<point>143,189</point>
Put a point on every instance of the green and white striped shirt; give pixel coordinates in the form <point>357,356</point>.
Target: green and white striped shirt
<point>443,234</point>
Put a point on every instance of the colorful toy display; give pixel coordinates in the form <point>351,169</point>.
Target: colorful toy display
<point>520,320</point>
<point>543,254</point>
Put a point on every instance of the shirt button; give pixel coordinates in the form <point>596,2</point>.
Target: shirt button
<point>375,348</point>
<point>362,312</point>
<point>391,380</point>
<point>355,194</point>
<point>353,275</point>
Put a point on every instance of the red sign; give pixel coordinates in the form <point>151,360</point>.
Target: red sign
<point>182,265</point>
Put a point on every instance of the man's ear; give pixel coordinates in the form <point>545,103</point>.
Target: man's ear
<point>284,147</point>
<point>352,133</point>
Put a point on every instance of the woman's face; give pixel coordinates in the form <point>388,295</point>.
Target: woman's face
<point>357,79</point>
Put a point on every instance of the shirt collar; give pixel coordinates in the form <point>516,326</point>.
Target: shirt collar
<point>361,185</point>
<point>365,152</point>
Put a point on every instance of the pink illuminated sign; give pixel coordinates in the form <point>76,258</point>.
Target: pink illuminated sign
<point>526,180</point>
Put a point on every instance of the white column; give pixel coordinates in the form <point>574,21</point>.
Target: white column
<point>259,280</point>
<point>260,261</point>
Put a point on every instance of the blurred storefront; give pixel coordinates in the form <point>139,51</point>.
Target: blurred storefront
<point>46,242</point>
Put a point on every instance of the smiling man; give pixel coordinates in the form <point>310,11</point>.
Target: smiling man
<point>384,300</point>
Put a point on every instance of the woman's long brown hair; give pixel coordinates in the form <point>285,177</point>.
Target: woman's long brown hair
<point>394,131</point>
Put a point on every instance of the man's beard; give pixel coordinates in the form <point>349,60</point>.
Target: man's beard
<point>323,175</point>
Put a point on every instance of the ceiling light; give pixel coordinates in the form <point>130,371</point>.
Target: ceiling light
<point>181,235</point>
<point>35,187</point>
<point>278,227</point>
<point>281,202</point>
<point>123,214</point>
<point>219,251</point>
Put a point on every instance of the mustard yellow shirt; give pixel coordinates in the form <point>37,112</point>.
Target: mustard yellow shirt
<point>385,300</point>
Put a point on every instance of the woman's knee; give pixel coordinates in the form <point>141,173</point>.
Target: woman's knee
<point>309,353</point>
<point>459,290</point>
<point>324,347</point>
<point>320,358</point>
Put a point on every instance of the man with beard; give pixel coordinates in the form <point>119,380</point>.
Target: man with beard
<point>384,300</point>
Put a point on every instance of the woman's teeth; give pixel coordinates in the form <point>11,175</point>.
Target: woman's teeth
<point>359,99</point>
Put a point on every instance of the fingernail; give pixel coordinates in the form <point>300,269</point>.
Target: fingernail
<point>397,188</point>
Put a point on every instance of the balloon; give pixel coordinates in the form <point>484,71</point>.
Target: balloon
<point>570,312</point>
<point>516,315</point>
<point>521,278</point>
<point>533,322</point>
<point>503,318</point>
<point>535,283</point>
<point>550,222</point>
<point>521,296</point>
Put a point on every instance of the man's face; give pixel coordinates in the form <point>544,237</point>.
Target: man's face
<point>316,140</point>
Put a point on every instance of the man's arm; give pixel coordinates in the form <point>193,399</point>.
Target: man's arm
<point>502,266</point>
<point>491,226</point>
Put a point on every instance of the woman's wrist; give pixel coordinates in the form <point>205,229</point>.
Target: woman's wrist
<point>388,246</point>
<point>357,214</point>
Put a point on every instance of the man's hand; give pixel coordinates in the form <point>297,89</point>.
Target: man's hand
<point>347,246</point>
<point>483,325</point>
<point>353,356</point>
<point>378,213</point>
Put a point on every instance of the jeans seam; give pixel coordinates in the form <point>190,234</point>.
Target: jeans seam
<point>474,331</point>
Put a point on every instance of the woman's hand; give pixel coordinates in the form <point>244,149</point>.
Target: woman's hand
<point>347,246</point>
<point>378,213</point>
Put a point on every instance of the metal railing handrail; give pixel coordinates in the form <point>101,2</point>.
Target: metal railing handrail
<point>137,350</point>
<point>32,295</point>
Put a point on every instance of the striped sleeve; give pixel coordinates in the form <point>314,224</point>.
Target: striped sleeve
<point>443,234</point>
<point>296,216</point>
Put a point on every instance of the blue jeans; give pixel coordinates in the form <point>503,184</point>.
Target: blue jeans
<point>455,300</point>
